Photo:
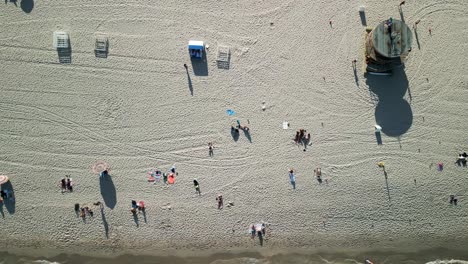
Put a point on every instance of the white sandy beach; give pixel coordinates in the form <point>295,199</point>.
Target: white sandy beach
<point>135,111</point>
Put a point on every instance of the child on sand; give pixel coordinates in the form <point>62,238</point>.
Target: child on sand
<point>220,201</point>
<point>83,213</point>
<point>292,178</point>
<point>165,178</point>
<point>252,231</point>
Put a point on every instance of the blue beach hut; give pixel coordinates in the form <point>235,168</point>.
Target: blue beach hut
<point>196,49</point>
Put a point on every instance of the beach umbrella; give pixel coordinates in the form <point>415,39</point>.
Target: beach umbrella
<point>230,112</point>
<point>3,179</point>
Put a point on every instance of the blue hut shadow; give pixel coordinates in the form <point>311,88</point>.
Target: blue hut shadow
<point>108,192</point>
<point>10,201</point>
<point>200,66</point>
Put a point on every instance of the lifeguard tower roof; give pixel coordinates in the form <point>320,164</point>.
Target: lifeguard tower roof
<point>195,44</point>
<point>61,40</point>
<point>390,40</point>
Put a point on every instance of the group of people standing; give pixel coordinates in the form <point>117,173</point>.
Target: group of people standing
<point>66,184</point>
<point>84,211</point>
<point>140,206</point>
<point>302,138</point>
<point>258,230</point>
<point>317,172</point>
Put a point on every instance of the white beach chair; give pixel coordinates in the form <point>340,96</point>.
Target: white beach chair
<point>61,42</point>
<point>223,58</point>
<point>102,46</point>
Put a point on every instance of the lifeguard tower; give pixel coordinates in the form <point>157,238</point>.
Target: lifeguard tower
<point>196,49</point>
<point>61,40</point>
<point>388,45</point>
<point>102,46</point>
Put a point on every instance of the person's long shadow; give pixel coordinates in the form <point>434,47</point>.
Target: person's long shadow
<point>135,219</point>
<point>417,37</point>
<point>1,210</point>
<point>378,137</point>
<point>392,112</point>
<point>363,18</point>
<point>108,191</point>
<point>15,2</point>
<point>247,134</point>
<point>235,133</point>
<point>189,80</point>
<point>386,184</point>
<point>402,17</point>
<point>10,202</point>
<point>104,222</point>
<point>356,78</point>
<point>27,5</point>
<point>144,215</point>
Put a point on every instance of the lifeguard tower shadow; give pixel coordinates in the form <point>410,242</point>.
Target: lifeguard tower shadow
<point>10,202</point>
<point>108,192</point>
<point>200,66</point>
<point>393,113</point>
<point>64,55</point>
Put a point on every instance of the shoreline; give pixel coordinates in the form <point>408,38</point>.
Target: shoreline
<point>392,255</point>
<point>405,247</point>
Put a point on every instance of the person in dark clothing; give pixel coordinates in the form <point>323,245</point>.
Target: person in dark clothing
<point>210,149</point>
<point>69,185</point>
<point>63,184</point>
<point>220,201</point>
<point>197,186</point>
<point>134,207</point>
<point>90,212</point>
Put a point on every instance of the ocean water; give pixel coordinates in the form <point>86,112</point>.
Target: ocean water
<point>432,256</point>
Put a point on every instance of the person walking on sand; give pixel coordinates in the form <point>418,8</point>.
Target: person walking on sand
<point>210,149</point>
<point>165,178</point>
<point>219,198</point>
<point>292,178</point>
<point>69,185</point>
<point>63,185</point>
<point>83,213</point>
<point>197,186</point>
<point>252,231</point>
